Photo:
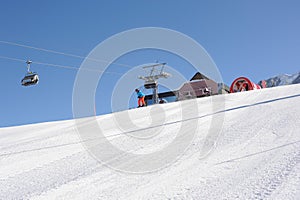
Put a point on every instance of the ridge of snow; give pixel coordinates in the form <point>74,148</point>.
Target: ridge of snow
<point>257,155</point>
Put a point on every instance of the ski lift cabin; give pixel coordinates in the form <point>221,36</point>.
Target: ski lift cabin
<point>31,78</point>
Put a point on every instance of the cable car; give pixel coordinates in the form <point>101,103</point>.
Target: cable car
<point>30,78</point>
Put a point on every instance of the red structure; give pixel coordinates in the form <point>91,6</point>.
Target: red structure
<point>263,84</point>
<point>243,84</point>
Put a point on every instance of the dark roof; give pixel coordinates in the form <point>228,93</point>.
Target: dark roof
<point>199,76</point>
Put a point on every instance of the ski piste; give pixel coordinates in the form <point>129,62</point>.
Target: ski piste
<point>256,156</point>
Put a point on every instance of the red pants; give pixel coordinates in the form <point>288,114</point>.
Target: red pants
<point>141,101</point>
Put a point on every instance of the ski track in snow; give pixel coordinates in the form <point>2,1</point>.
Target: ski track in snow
<point>257,155</point>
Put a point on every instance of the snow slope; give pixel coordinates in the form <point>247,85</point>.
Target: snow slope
<point>257,155</point>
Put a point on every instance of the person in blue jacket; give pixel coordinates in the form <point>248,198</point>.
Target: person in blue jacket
<point>141,97</point>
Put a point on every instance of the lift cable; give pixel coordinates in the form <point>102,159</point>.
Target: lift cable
<point>62,53</point>
<point>56,65</point>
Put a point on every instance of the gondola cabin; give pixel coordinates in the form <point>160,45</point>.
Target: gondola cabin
<point>30,79</point>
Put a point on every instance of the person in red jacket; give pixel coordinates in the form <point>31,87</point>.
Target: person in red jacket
<point>141,97</point>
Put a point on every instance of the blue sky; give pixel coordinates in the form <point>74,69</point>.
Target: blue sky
<point>254,38</point>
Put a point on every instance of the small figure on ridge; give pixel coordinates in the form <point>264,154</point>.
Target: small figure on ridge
<point>141,97</point>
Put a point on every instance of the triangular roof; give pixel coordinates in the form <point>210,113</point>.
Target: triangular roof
<point>199,76</point>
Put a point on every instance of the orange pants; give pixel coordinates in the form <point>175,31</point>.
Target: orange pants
<point>141,101</point>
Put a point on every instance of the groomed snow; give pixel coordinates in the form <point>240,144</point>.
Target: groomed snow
<point>257,154</point>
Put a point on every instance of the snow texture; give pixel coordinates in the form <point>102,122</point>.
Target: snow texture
<point>257,155</point>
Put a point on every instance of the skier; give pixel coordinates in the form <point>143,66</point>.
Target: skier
<point>161,101</point>
<point>141,97</point>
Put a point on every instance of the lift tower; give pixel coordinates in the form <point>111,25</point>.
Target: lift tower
<point>155,71</point>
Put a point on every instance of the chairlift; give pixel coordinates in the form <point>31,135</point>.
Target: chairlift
<point>30,78</point>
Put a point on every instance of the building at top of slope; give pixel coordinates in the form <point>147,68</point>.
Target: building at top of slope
<point>198,86</point>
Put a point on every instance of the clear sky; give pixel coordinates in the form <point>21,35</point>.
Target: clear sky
<point>254,38</point>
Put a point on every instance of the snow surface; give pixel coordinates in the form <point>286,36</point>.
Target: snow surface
<point>257,155</point>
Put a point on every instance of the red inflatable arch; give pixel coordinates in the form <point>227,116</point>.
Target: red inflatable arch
<point>243,84</point>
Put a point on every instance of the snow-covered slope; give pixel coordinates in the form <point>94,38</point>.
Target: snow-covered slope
<point>257,154</point>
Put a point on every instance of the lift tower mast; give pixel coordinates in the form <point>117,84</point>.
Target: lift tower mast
<point>156,71</point>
